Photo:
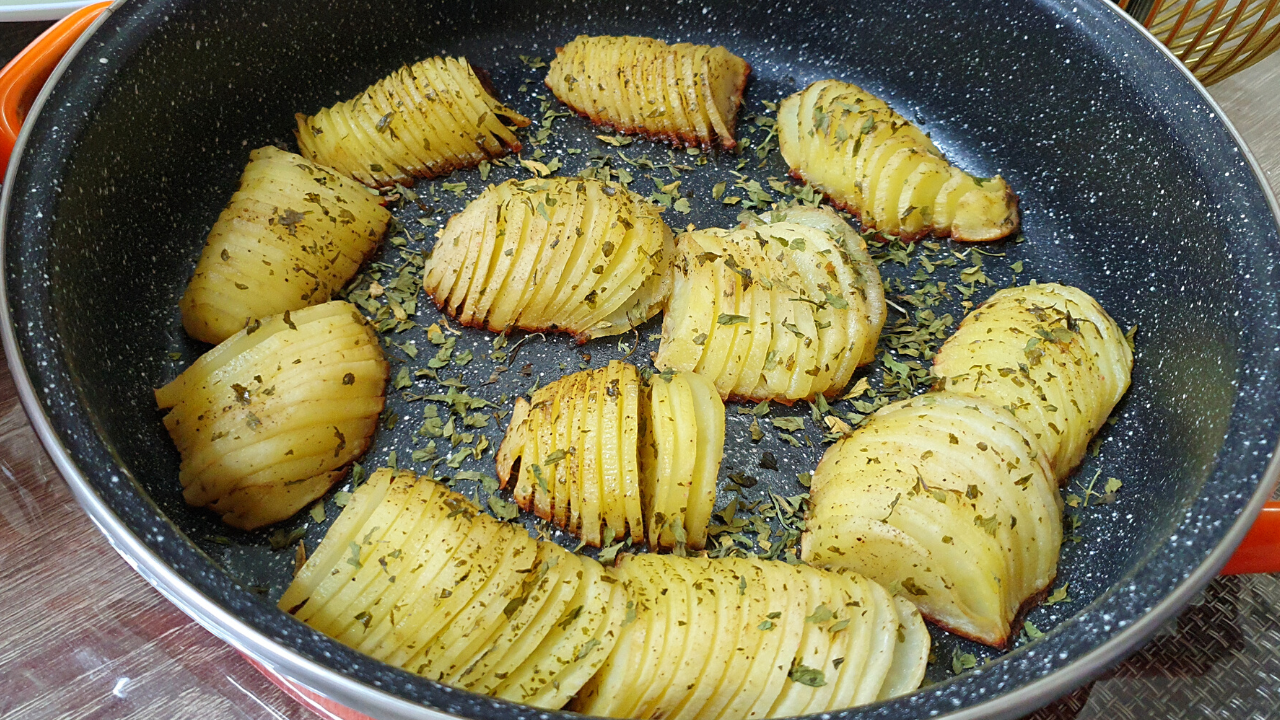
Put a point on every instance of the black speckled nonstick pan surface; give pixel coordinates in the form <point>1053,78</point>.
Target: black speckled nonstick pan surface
<point>1132,188</point>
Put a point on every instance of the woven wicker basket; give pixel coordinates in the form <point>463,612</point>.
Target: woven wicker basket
<point>1215,38</point>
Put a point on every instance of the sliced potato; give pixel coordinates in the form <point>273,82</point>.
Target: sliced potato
<point>709,420</point>
<point>734,638</point>
<point>784,309</point>
<point>1049,353</point>
<point>568,254</point>
<point>547,617</point>
<point>415,575</point>
<point>683,94</point>
<point>420,121</point>
<point>945,499</point>
<point>291,236</point>
<point>577,443</point>
<point>267,421</point>
<point>871,161</point>
<point>603,457</point>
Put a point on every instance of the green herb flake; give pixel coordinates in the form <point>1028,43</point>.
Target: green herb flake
<point>805,675</point>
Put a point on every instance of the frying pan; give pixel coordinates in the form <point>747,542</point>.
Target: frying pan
<point>1133,187</point>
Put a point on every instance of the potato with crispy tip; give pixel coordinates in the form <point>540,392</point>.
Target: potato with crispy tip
<point>1049,353</point>
<point>947,500</point>
<point>414,574</point>
<point>783,310</point>
<point>736,638</point>
<point>874,163</point>
<point>683,94</point>
<point>604,455</point>
<point>421,121</point>
<point>269,419</point>
<point>291,236</point>
<point>574,255</point>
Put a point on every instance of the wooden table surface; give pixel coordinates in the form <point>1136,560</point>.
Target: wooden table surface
<point>82,636</point>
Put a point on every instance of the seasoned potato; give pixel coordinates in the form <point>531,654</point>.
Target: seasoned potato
<point>423,120</point>
<point>681,445</point>
<point>570,254</point>
<point>683,94</point>
<point>601,453</point>
<point>785,310</point>
<point>946,500</point>
<point>413,574</point>
<point>735,638</point>
<point>269,419</point>
<point>1050,354</point>
<point>871,161</point>
<point>293,234</point>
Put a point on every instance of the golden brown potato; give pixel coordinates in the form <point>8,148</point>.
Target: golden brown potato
<point>874,163</point>
<point>423,120</point>
<point>413,574</point>
<point>293,234</point>
<point>785,310</point>
<point>736,638</point>
<point>1050,354</point>
<point>946,500</point>
<point>602,453</point>
<point>577,440</point>
<point>683,94</point>
<point>266,421</point>
<point>570,254</point>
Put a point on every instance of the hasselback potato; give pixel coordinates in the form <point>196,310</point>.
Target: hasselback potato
<point>423,120</point>
<point>1049,353</point>
<point>874,163</point>
<point>785,310</point>
<point>268,420</point>
<point>603,453</point>
<point>576,255</point>
<point>292,235</point>
<point>684,94</point>
<point>415,575</point>
<point>947,500</point>
<point>736,638</point>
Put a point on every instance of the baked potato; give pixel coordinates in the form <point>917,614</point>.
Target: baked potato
<point>683,94</point>
<point>422,121</point>
<point>602,452</point>
<point>415,575</point>
<point>1049,353</point>
<point>783,310</point>
<point>293,234</point>
<point>570,254</point>
<point>874,163</point>
<point>736,638</point>
<point>269,419</point>
<point>946,500</point>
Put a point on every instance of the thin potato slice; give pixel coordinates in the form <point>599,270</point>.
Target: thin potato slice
<point>911,656</point>
<point>684,94</point>
<point>709,417</point>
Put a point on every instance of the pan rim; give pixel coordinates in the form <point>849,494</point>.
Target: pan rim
<point>349,691</point>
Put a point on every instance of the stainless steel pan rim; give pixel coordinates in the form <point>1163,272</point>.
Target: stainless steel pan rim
<point>348,692</point>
